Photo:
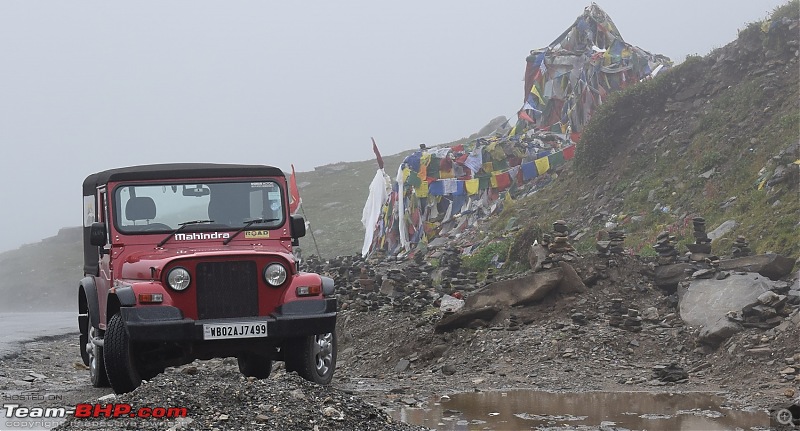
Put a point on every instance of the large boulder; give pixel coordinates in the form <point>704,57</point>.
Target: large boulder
<point>518,291</point>
<point>485,303</point>
<point>769,265</point>
<point>571,282</point>
<point>705,303</point>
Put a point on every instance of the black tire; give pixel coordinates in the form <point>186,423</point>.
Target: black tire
<point>313,357</point>
<point>257,366</point>
<point>119,359</point>
<point>93,355</point>
<point>83,339</point>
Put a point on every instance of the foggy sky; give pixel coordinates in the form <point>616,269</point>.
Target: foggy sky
<point>88,85</point>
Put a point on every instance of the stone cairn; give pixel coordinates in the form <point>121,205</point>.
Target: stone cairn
<point>615,240</point>
<point>558,245</point>
<point>453,279</point>
<point>620,316</point>
<point>740,247</point>
<point>665,247</point>
<point>609,243</point>
<point>560,242</point>
<point>490,276</point>
<point>701,249</point>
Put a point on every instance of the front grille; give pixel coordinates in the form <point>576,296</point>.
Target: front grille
<point>227,289</point>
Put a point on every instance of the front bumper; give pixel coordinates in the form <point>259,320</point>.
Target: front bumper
<point>166,323</point>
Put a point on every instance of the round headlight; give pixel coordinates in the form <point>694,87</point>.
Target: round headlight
<point>178,278</point>
<point>275,274</point>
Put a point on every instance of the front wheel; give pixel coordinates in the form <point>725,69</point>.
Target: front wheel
<point>313,357</point>
<point>119,360</point>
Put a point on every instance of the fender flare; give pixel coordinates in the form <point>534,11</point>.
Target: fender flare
<point>121,296</point>
<point>125,296</point>
<point>89,289</point>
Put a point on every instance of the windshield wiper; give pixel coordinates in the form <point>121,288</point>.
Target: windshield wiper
<point>180,228</point>
<point>247,224</point>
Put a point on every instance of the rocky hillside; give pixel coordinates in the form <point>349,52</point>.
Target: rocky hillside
<point>715,137</point>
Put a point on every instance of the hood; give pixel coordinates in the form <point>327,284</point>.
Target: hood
<point>137,264</point>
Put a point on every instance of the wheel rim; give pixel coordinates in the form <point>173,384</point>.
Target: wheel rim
<point>91,350</point>
<point>323,353</point>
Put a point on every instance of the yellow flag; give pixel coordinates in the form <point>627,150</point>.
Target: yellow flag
<point>472,186</point>
<point>535,91</point>
<point>422,190</point>
<point>542,165</point>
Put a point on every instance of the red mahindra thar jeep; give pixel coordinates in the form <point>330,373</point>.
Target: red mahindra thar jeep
<point>194,261</point>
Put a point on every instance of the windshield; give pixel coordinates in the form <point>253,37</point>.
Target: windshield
<point>229,205</point>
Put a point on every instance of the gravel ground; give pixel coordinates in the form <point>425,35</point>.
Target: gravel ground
<point>219,398</point>
<point>48,373</point>
<point>390,360</point>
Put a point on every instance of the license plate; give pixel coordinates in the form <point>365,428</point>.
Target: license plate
<point>234,330</point>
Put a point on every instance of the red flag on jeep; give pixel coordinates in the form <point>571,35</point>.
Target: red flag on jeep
<point>294,193</point>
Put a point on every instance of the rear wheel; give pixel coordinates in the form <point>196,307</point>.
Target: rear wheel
<point>119,360</point>
<point>313,357</point>
<point>93,355</point>
<point>257,366</point>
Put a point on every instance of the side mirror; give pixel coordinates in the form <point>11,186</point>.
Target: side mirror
<point>298,226</point>
<point>97,234</point>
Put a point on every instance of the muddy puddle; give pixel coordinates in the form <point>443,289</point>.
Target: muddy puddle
<point>526,409</point>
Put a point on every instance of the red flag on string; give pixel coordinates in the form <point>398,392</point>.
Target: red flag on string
<point>524,115</point>
<point>377,153</point>
<point>294,193</point>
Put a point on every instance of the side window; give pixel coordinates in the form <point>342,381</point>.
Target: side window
<point>89,211</point>
<point>94,208</point>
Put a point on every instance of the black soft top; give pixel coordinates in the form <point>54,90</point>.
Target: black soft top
<point>172,171</point>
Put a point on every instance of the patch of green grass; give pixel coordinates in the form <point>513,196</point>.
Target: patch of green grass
<point>481,260</point>
<point>711,159</point>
